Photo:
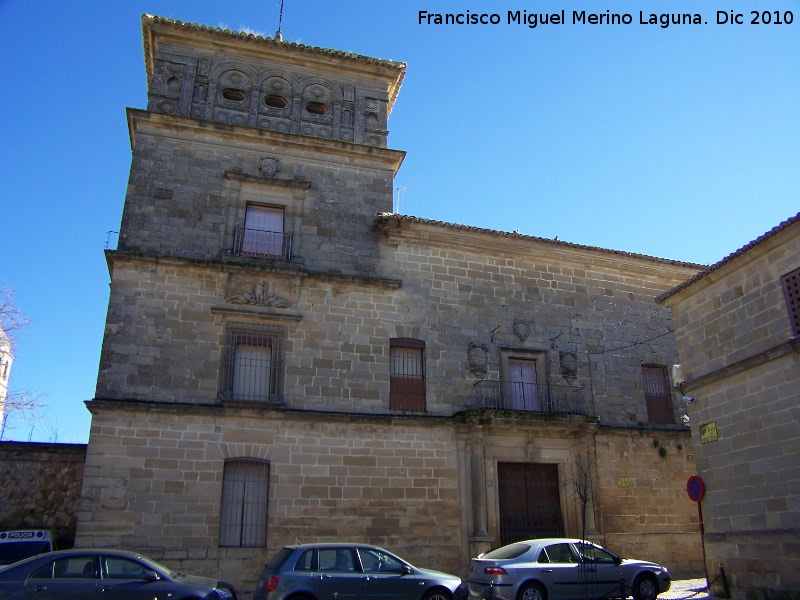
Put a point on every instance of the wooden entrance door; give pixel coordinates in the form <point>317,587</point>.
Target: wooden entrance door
<point>530,503</point>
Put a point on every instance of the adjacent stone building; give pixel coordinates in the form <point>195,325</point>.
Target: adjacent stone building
<point>738,329</point>
<point>285,359</point>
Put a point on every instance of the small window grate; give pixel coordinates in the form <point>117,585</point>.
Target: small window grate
<point>791,291</point>
<point>252,363</point>
<point>657,394</point>
<point>407,374</point>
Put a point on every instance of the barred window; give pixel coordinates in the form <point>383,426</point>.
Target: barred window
<point>407,374</point>
<point>243,514</point>
<point>252,363</point>
<point>657,396</point>
<point>791,291</point>
<point>263,232</point>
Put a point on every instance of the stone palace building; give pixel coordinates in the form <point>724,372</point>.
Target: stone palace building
<point>286,359</point>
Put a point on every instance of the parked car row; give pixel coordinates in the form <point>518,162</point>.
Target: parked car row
<point>540,569</point>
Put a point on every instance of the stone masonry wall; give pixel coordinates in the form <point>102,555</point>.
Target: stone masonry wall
<point>191,209</point>
<point>515,295</point>
<point>41,487</point>
<point>738,310</point>
<point>634,469</point>
<point>154,481</point>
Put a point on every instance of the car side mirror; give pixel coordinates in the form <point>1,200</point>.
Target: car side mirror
<point>407,570</point>
<point>149,575</point>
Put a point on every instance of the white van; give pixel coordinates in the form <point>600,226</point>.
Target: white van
<point>16,545</point>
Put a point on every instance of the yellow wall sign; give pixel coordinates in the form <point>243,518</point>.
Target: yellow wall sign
<point>623,482</point>
<point>708,432</point>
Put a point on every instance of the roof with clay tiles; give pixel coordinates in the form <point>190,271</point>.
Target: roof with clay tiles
<point>759,240</point>
<point>384,218</point>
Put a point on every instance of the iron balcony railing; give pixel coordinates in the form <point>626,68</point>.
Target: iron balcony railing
<point>529,397</point>
<point>262,244</point>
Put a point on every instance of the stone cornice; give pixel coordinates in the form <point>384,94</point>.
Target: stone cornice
<point>255,311</point>
<point>791,346</point>
<point>258,141</point>
<point>291,184</point>
<point>231,263</point>
<point>233,408</point>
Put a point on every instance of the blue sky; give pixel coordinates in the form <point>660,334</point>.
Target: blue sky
<point>680,142</point>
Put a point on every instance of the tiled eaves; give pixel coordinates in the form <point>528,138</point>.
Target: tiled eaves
<point>399,67</point>
<point>384,218</point>
<point>774,231</point>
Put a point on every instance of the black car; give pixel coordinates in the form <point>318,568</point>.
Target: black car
<point>106,574</point>
<point>351,572</point>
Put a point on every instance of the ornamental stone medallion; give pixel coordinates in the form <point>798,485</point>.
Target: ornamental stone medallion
<point>478,358</point>
<point>269,167</point>
<point>522,329</point>
<point>569,366</point>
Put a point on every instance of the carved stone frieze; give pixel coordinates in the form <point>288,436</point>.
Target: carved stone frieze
<point>258,295</point>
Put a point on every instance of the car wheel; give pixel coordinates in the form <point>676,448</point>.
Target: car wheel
<point>438,594</point>
<point>532,591</point>
<point>645,587</point>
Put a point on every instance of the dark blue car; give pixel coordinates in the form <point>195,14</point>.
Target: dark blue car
<point>351,572</point>
<point>107,574</point>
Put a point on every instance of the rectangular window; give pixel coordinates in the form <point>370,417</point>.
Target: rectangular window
<point>243,512</point>
<point>791,291</point>
<point>252,363</point>
<point>656,393</point>
<point>263,232</point>
<point>407,374</point>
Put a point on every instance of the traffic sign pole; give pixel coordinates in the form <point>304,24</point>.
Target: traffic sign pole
<point>696,490</point>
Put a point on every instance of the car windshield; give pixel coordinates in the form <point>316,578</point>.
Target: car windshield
<point>158,567</point>
<point>14,551</point>
<point>506,552</point>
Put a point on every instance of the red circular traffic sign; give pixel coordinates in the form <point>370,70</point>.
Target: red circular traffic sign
<point>695,488</point>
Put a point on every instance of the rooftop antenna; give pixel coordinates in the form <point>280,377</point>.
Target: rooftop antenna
<point>108,237</point>
<point>278,36</point>
<point>401,192</point>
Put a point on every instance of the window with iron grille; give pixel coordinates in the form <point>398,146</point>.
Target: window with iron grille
<point>407,374</point>
<point>263,233</point>
<point>243,512</point>
<point>656,393</point>
<point>791,291</point>
<point>252,363</point>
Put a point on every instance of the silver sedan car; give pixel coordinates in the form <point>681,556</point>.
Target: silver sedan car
<point>562,569</point>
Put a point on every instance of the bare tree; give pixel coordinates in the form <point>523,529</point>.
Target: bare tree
<point>581,485</point>
<point>24,404</point>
